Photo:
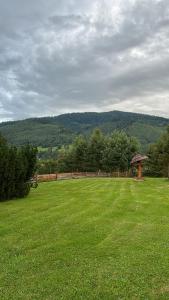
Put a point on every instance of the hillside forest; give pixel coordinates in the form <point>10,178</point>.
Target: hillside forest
<point>55,132</point>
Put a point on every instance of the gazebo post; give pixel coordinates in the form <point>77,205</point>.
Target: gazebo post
<point>139,176</point>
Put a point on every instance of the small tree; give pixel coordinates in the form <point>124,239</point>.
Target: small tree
<point>79,153</point>
<point>119,151</point>
<point>95,150</point>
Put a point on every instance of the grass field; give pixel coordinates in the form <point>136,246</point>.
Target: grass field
<point>87,239</point>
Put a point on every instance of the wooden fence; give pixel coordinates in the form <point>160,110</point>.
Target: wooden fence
<point>76,175</point>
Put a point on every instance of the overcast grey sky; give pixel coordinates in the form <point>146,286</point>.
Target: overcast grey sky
<point>60,56</point>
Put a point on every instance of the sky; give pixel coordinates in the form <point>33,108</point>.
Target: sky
<point>61,56</point>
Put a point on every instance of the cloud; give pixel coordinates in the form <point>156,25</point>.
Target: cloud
<point>83,56</point>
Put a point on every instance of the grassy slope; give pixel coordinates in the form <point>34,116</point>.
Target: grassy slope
<point>87,239</point>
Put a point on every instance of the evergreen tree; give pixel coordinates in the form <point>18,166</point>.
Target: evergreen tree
<point>119,151</point>
<point>17,166</point>
<point>95,150</point>
<point>158,163</point>
<point>153,167</point>
<point>29,155</point>
<point>79,154</point>
<point>66,159</point>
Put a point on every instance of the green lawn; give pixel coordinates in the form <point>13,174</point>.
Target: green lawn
<point>87,239</point>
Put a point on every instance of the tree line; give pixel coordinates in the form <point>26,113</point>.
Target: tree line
<point>108,153</point>
<point>17,166</point>
<point>98,152</point>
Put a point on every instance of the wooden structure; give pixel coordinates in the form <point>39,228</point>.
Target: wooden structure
<point>138,162</point>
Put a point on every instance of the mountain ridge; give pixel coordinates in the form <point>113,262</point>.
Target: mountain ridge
<point>60,130</point>
<point>81,113</point>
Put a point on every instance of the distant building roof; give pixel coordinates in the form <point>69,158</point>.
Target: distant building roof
<point>137,158</point>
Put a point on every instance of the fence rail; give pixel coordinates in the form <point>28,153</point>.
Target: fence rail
<point>76,175</point>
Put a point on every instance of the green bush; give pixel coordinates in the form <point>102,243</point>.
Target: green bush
<point>17,166</point>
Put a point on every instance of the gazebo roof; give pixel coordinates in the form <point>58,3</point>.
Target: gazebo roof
<point>138,158</point>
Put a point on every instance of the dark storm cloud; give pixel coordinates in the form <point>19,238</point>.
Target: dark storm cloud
<point>62,56</point>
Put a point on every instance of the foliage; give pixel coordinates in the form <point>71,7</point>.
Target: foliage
<point>119,151</point>
<point>158,164</point>
<point>49,153</point>
<point>17,166</point>
<point>87,239</point>
<point>98,152</point>
<point>61,130</point>
<point>48,166</point>
<point>95,150</point>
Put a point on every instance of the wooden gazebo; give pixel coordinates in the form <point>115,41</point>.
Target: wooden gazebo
<point>138,162</point>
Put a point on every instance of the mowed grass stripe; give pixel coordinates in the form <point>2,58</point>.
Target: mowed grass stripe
<point>87,239</point>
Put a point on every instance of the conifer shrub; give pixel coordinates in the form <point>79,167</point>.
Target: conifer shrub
<point>17,166</point>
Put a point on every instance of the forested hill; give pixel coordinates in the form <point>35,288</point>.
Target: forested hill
<point>59,130</point>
